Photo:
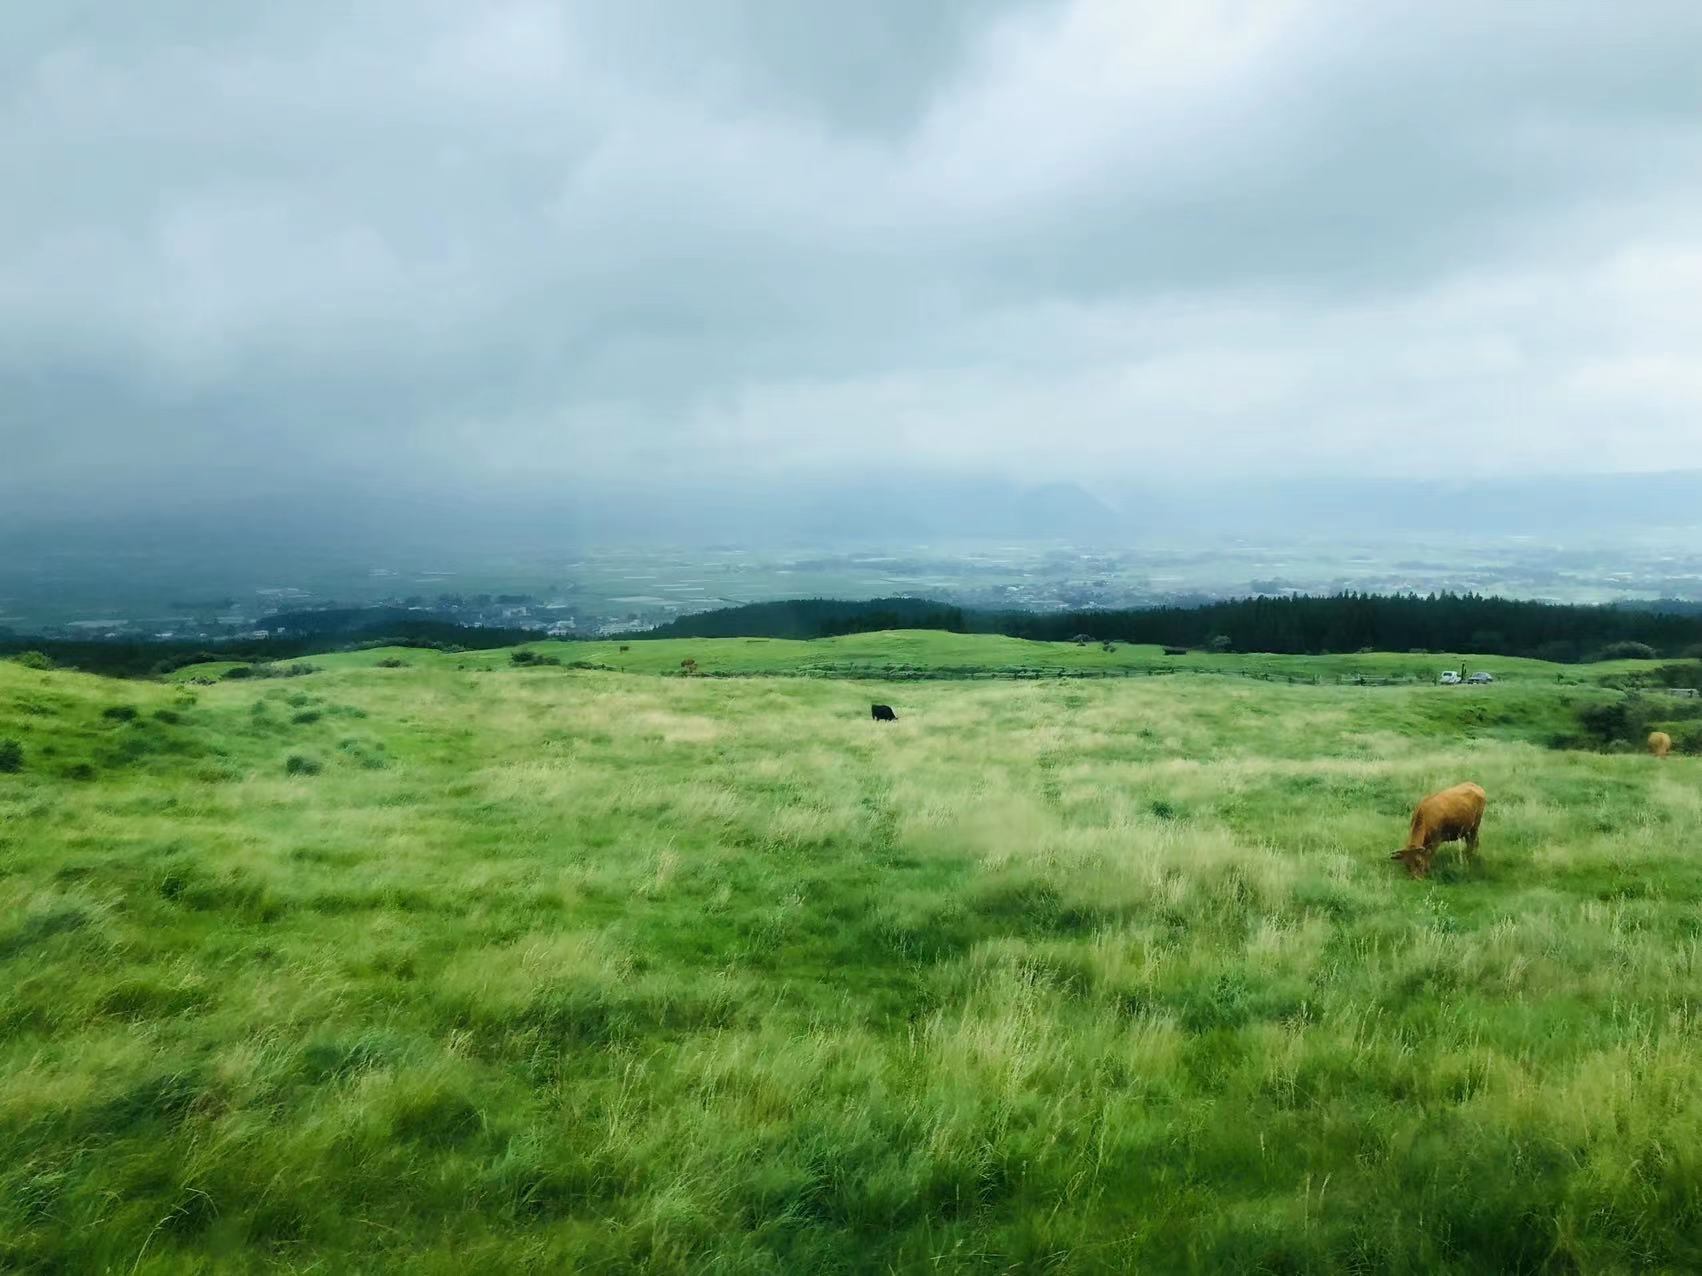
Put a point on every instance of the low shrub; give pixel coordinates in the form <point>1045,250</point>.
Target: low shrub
<point>33,660</point>
<point>392,662</point>
<point>11,756</point>
<point>1606,722</point>
<point>171,664</point>
<point>1678,674</point>
<point>119,713</point>
<point>300,669</point>
<point>302,764</point>
<point>525,656</point>
<point>365,753</point>
<point>1625,651</point>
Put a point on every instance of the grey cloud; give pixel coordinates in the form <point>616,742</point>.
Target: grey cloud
<point>522,241</point>
<point>871,68</point>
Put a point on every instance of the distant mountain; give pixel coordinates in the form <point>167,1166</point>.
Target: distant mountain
<point>923,508</point>
<point>1463,501</point>
<point>328,524</point>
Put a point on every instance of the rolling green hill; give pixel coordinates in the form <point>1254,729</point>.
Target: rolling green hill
<point>459,964</point>
<point>933,653</point>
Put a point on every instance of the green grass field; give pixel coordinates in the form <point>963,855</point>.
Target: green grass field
<point>937,654</point>
<point>466,967</point>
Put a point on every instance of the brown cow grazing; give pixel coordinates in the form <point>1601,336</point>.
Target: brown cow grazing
<point>1449,816</point>
<point>1660,743</point>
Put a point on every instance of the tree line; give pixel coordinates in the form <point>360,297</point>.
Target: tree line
<point>140,657</point>
<point>815,618</point>
<point>1296,624</point>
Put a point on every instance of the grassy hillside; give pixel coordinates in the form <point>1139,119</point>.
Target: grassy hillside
<point>544,968</point>
<point>936,653</point>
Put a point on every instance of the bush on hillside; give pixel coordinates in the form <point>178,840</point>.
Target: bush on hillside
<point>182,660</point>
<point>1625,723</point>
<point>1606,723</point>
<point>302,764</point>
<point>1681,674</point>
<point>33,660</point>
<point>119,712</point>
<point>392,662</point>
<point>367,753</point>
<point>526,656</point>
<point>11,756</point>
<point>413,644</point>
<point>1625,651</point>
<point>299,669</point>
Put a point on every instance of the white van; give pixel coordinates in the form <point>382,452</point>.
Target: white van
<point>1449,678</point>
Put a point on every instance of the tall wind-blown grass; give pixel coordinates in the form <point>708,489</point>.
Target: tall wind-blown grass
<point>553,969</point>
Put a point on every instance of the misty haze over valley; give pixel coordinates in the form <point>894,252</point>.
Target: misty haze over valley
<point>587,563</point>
<point>1224,297</point>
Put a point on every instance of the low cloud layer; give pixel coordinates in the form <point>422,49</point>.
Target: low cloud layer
<point>523,243</point>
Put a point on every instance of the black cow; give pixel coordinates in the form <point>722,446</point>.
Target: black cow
<point>882,713</point>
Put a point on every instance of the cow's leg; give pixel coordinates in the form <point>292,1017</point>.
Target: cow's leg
<point>1471,843</point>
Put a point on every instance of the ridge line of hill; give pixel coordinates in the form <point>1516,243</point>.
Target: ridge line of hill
<point>1291,625</point>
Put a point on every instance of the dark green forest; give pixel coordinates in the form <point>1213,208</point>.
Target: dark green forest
<point>824,618</point>
<point>1296,625</point>
<point>342,630</point>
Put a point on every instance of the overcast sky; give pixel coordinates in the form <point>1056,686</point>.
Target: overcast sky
<point>522,241</point>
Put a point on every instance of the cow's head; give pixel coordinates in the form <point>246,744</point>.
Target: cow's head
<point>1416,858</point>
